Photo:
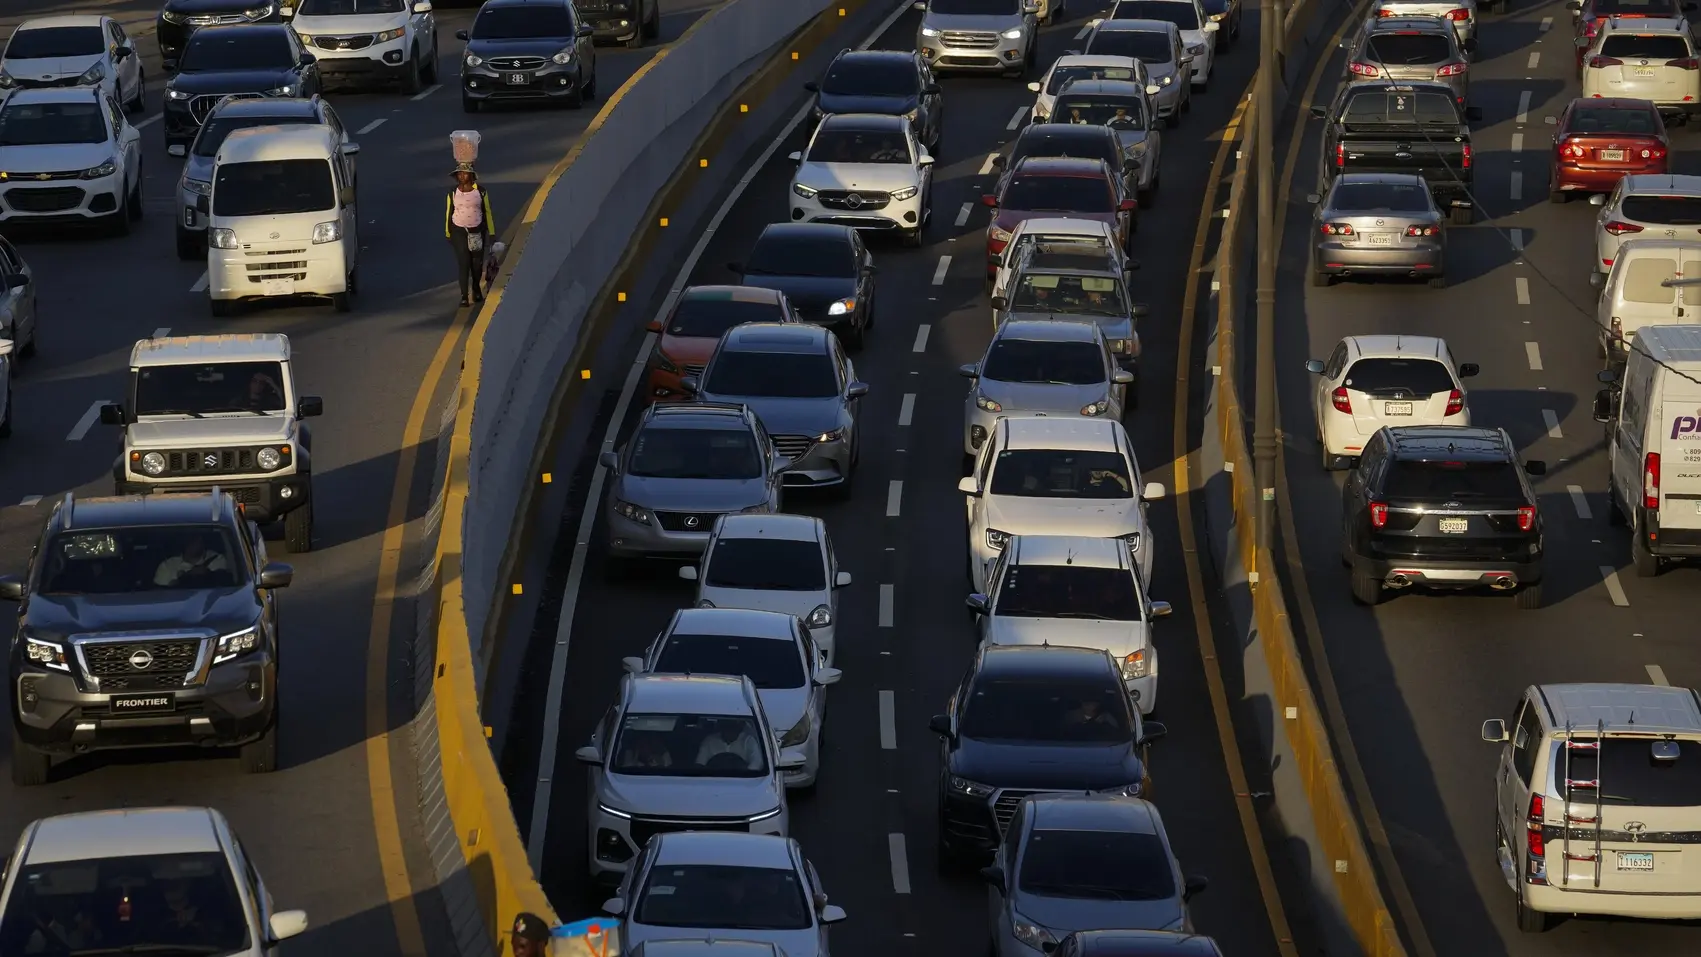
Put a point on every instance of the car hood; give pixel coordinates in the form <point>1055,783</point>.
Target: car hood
<point>1131,139</point>
<point>256,80</point>
<point>1120,638</point>
<point>790,416</point>
<point>348,25</point>
<point>1062,915</point>
<point>524,46</point>
<point>790,943</point>
<point>1039,397</point>
<point>19,161</point>
<point>972,21</point>
<point>207,612</point>
<point>692,495</point>
<point>1113,327</point>
<point>875,176</point>
<point>694,350</point>
<point>784,707</point>
<point>808,294</point>
<point>862,103</point>
<point>53,67</point>
<point>1046,767</point>
<point>799,603</point>
<point>1099,518</point>
<point>664,796</point>
<point>212,430</point>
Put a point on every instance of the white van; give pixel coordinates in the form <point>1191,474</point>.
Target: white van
<point>1640,291</point>
<point>283,219</point>
<point>1653,414</point>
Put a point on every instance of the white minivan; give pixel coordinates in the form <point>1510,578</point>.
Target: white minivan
<point>1646,288</point>
<point>282,219</point>
<point>1652,411</point>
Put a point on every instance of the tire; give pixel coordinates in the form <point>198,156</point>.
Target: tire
<point>29,766</point>
<point>652,27</point>
<point>414,81</point>
<point>1529,597</point>
<point>1615,515</point>
<point>576,98</point>
<point>342,301</point>
<point>136,104</point>
<point>1187,103</point>
<point>1461,215</point>
<point>298,530</point>
<point>429,72</point>
<point>27,351</point>
<point>189,246</point>
<point>120,221</point>
<point>6,420</point>
<point>1647,563</point>
<point>1173,120</point>
<point>1331,463</point>
<point>854,336</point>
<point>261,756</point>
<point>220,308</point>
<point>1367,589</point>
<point>1438,282</point>
<point>469,105</point>
<point>635,41</point>
<point>591,87</point>
<point>1321,279</point>
<point>912,238</point>
<point>1555,196</point>
<point>133,205</point>
<point>1532,921</point>
<point>353,281</point>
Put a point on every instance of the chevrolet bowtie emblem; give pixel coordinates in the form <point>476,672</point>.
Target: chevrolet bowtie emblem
<point>43,176</point>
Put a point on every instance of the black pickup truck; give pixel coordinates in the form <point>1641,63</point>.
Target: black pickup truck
<point>1401,128</point>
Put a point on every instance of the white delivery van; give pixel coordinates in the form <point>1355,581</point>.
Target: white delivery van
<point>1641,291</point>
<point>282,219</point>
<point>1652,410</point>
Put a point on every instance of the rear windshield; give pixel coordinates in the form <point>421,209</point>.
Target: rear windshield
<point>1396,108</point>
<point>214,133</point>
<point>1402,197</point>
<point>519,23</point>
<point>1070,295</point>
<point>1409,49</point>
<point>694,454</point>
<point>1046,709</point>
<point>1452,480</point>
<point>1061,473</point>
<point>711,318</point>
<point>859,146</point>
<point>1630,775</point>
<point>865,76</point>
<point>44,43</point>
<point>1179,12</point>
<point>1596,119</point>
<point>1414,376</point>
<point>1642,8</point>
<point>1038,360</point>
<point>1069,591</point>
<point>792,255</point>
<point>1648,47</point>
<point>777,375</point>
<point>1146,45</point>
<point>1663,210</point>
<point>273,188</point>
<point>1057,194</point>
<point>1065,75</point>
<point>771,564</point>
<point>1097,865</point>
<point>1116,112</point>
<point>767,662</point>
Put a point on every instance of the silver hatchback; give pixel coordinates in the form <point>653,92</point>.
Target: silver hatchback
<point>1042,367</point>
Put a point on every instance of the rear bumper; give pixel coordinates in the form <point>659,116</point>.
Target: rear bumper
<point>1557,900</point>
<point>1568,178</point>
<point>1430,573</point>
<point>1339,258</point>
<point>1669,542</point>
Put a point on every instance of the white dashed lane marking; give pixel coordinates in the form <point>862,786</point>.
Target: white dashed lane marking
<point>148,122</point>
<point>86,423</point>
<point>1580,502</point>
<point>1535,58</point>
<point>1516,237</point>
<point>1517,142</point>
<point>422,94</point>
<point>894,498</point>
<point>1016,118</point>
<point>200,284</point>
<point>888,721</point>
<point>29,500</point>
<point>986,165</point>
<point>371,126</point>
<point>1547,24</point>
<point>1523,287</point>
<point>921,332</point>
<point>1552,419</point>
<point>1517,185</point>
<point>963,214</point>
<point>1085,29</point>
<point>161,332</point>
<point>900,863</point>
<point>1657,675</point>
<point>1533,352</point>
<point>940,270</point>
<point>1615,591</point>
<point>887,597</point>
<point>906,411</point>
<point>1523,107</point>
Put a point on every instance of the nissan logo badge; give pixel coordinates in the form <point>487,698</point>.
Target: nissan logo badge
<point>691,521</point>
<point>141,659</point>
<point>211,460</point>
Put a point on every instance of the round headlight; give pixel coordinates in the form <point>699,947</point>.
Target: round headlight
<point>267,458</point>
<point>153,463</point>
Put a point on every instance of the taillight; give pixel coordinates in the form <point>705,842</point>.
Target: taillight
<point>1451,69</point>
<point>1337,229</point>
<point>1340,155</point>
<point>1423,230</point>
<point>1576,150</point>
<point>1465,158</point>
<point>1654,153</point>
<point>1651,480</point>
<point>1526,517</point>
<point>1364,69</point>
<point>1385,13</point>
<point>1378,514</point>
<point>1618,228</point>
<point>1455,402</point>
<point>1687,63</point>
<point>1342,402</point>
<point>1459,15</point>
<point>1533,825</point>
<point>1596,62</point>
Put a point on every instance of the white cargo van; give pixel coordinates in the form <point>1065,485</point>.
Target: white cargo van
<point>1652,410</point>
<point>1643,290</point>
<point>283,219</point>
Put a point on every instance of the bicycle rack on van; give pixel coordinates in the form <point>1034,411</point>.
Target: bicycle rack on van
<point>1592,749</point>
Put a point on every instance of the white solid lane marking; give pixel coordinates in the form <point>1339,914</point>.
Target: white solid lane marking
<point>921,332</point>
<point>906,410</point>
<point>200,284</point>
<point>963,214</point>
<point>422,94</point>
<point>29,500</point>
<point>1552,419</point>
<point>1523,287</point>
<point>1547,24</point>
<point>161,332</point>
<point>1535,58</point>
<point>1517,185</point>
<point>1615,591</point>
<point>1533,352</point>
<point>894,498</point>
<point>1016,118</point>
<point>86,423</point>
<point>1524,107</point>
<point>888,721</point>
<point>371,126</point>
<point>1580,502</point>
<point>939,270</point>
<point>148,122</point>
<point>986,166</point>
<point>900,863</point>
<point>887,596</point>
<point>1517,142</point>
<point>1517,238</point>
<point>1657,675</point>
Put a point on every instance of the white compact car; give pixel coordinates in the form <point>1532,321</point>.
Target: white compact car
<point>1043,475</point>
<point>773,562</point>
<point>1197,29</point>
<point>371,42</point>
<point>1091,237</point>
<point>773,651</point>
<point>1645,206</point>
<point>1042,367</point>
<point>864,170</point>
<point>1081,66</point>
<point>73,50</point>
<point>1646,58</point>
<point>70,156</point>
<point>1369,382</point>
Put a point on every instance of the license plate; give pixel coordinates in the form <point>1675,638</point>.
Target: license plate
<point>144,704</point>
<point>1454,526</point>
<point>1698,508</point>
<point>1381,239</point>
<point>277,287</point>
<point>516,79</point>
<point>1635,860</point>
<point>1396,408</point>
<point>1645,72</point>
<point>1612,155</point>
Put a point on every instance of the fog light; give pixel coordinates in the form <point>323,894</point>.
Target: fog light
<point>977,435</point>
<point>1012,54</point>
<point>472,83</point>
<point>288,491</point>
<point>796,213</point>
<point>394,56</point>
<point>611,848</point>
<point>909,217</point>
<point>561,80</point>
<point>28,697</point>
<point>927,53</point>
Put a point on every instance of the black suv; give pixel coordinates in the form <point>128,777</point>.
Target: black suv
<point>888,82</point>
<point>1442,507</point>
<point>264,58</point>
<point>1033,720</point>
<point>145,621</point>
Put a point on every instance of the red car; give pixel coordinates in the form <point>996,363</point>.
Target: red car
<point>1593,13</point>
<point>1072,187</point>
<point>1601,140</point>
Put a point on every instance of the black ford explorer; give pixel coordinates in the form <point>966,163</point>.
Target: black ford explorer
<point>263,58</point>
<point>145,622</point>
<point>1033,720</point>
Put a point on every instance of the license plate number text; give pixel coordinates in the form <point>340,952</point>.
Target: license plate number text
<point>1454,526</point>
<point>1635,860</point>
<point>1396,408</point>
<point>517,79</point>
<point>1643,71</point>
<point>1612,155</point>
<point>278,287</point>
<point>1381,239</point>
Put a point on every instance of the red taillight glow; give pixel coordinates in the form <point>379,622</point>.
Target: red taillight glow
<point>1363,69</point>
<point>1378,514</point>
<point>1455,402</point>
<point>1654,153</point>
<point>1619,228</point>
<point>1423,230</point>
<point>1526,517</point>
<point>1465,156</point>
<point>1451,69</point>
<point>1340,154</point>
<point>1687,63</point>
<point>1337,229</point>
<point>1342,402</point>
<point>1651,480</point>
<point>1596,62</point>
<point>1576,150</point>
<point>1538,809</point>
<point>1459,15</point>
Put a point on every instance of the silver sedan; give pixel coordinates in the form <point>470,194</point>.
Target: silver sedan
<point>1378,224</point>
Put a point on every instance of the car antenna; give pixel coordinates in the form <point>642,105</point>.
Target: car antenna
<point>1070,558</point>
<point>70,503</point>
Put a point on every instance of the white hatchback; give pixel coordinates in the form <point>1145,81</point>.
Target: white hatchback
<point>864,170</point>
<point>1369,382</point>
<point>71,156</point>
<point>773,562</point>
<point>1645,206</point>
<point>79,49</point>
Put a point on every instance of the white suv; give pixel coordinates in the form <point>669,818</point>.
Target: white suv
<point>864,170</point>
<point>1372,381</point>
<point>371,42</point>
<point>1646,58</point>
<point>773,562</point>
<point>1599,797</point>
<point>1645,206</point>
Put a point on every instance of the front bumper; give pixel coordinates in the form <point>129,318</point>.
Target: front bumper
<point>967,828</point>
<point>61,201</point>
<point>629,539</point>
<point>304,269</point>
<point>1342,259</point>
<point>1004,55</point>
<point>553,82</point>
<point>892,214</point>
<point>825,463</point>
<point>612,846</point>
<point>262,499</point>
<point>378,64</point>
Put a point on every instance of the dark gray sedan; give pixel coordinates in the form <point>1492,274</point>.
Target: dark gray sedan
<point>1378,224</point>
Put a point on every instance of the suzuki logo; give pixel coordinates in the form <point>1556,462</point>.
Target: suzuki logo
<point>273,236</point>
<point>211,460</point>
<point>141,659</point>
<point>691,521</point>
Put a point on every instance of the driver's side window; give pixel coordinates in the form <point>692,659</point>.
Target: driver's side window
<point>1337,362</point>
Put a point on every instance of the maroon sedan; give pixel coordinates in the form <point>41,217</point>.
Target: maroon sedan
<point>1053,186</point>
<point>1600,140</point>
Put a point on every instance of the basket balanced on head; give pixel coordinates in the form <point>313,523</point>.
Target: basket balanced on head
<point>465,146</point>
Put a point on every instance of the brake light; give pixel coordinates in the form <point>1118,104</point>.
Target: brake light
<point>1465,159</point>
<point>1451,69</point>
<point>1385,13</point>
<point>1574,149</point>
<point>1363,69</point>
<point>1526,517</point>
<point>1536,844</point>
<point>1654,152</point>
<point>1378,514</point>
<point>1423,230</point>
<point>1687,63</point>
<point>1651,480</point>
<point>1459,15</point>
<point>1596,62</point>
<point>1455,402</point>
<point>1342,402</point>
<point>1337,229</point>
<point>1340,154</point>
<point>1618,228</point>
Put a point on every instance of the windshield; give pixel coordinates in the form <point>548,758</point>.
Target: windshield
<point>176,904</point>
<point>1452,480</point>
<point>822,257</point>
<point>1047,710</point>
<point>1069,591</point>
<point>870,76</point>
<point>1402,197</point>
<point>1179,12</point>
<point>247,50</point>
<point>1065,75</point>
<point>1382,108</point>
<point>770,564</point>
<point>1116,112</point>
<point>723,897</point>
<point>774,375</point>
<point>200,389</point>
<point>1409,49</point>
<point>1044,361</point>
<point>273,188</point>
<point>214,132</point>
<point>1146,45</point>
<point>348,8</point>
<point>973,7</point>
<point>1061,473</point>
<point>710,318</point>
<point>1651,47</point>
<point>859,146</point>
<point>113,561</point>
<point>1415,376</point>
<point>1096,865</point>
<point>690,746</point>
<point>521,23</point>
<point>1060,194</point>
<point>694,454</point>
<point>1654,210</point>
<point>42,43</point>
<point>767,662</point>
<point>40,124</point>
<point>1595,119</point>
<point>1069,295</point>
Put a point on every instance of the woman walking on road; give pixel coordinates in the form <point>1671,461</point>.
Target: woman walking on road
<point>467,225</point>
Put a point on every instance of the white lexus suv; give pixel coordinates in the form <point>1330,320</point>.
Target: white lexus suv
<point>863,170</point>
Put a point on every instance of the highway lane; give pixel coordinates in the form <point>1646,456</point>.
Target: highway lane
<point>917,648</point>
<point>1419,673</point>
<point>312,825</point>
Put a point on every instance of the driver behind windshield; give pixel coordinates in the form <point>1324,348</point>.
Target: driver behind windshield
<point>194,562</point>
<point>1090,713</point>
<point>731,736</point>
<point>184,920</point>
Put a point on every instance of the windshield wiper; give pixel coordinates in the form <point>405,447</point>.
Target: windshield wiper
<point>189,412</point>
<point>234,409</point>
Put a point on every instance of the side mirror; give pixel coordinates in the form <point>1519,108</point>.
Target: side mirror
<point>1608,376</point>
<point>1314,198</point>
<point>1152,731</point>
<point>967,486</point>
<point>586,30</point>
<point>1193,885</point>
<point>856,390</point>
<point>1121,377</point>
<point>460,34</point>
<point>169,66</point>
<point>736,268</point>
<point>812,86</point>
<point>351,149</point>
<point>940,724</point>
<point>17,281</point>
<point>614,906</point>
<point>1001,303</point>
<point>1162,609</point>
<point>609,460</point>
<point>919,4</point>
<point>345,196</point>
<point>1152,89</point>
<point>994,876</point>
<point>688,384</point>
<point>1598,199</point>
<point>122,53</point>
<point>1320,112</point>
<point>654,325</point>
<point>111,414</point>
<point>633,666</point>
<point>932,89</point>
<point>989,201</point>
<point>1575,6</point>
<point>791,762</point>
<point>969,370</point>
<point>842,580</point>
<point>307,59</point>
<point>1033,87</point>
<point>309,407</point>
<point>832,914</point>
<point>1314,366</point>
<point>1153,492</point>
<point>276,575</point>
<point>287,923</point>
<point>871,270</point>
<point>1140,310</point>
<point>977,603</point>
<point>1127,206</point>
<point>1597,280</point>
<point>1603,405</point>
<point>924,161</point>
<point>1030,8</point>
<point>828,676</point>
<point>422,8</point>
<point>688,572</point>
<point>177,150</point>
<point>999,160</point>
<point>1494,731</point>
<point>1469,46</point>
<point>1468,370</point>
<point>11,588</point>
<point>590,755</point>
<point>1536,467</point>
<point>795,157</point>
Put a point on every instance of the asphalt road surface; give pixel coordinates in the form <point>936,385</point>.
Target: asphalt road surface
<point>1418,674</point>
<point>311,825</point>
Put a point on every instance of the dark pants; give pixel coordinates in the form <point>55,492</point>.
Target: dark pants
<point>469,265</point>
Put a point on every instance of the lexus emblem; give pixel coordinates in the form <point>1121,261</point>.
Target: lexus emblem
<point>141,659</point>
<point>211,460</point>
<point>691,521</point>
<point>854,201</point>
